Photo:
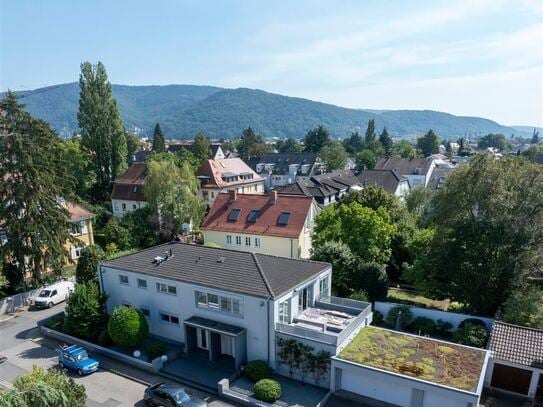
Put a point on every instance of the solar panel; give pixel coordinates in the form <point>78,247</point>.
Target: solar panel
<point>234,214</point>
<point>283,218</point>
<point>253,215</point>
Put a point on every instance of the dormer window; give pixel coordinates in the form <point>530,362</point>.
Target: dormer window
<point>135,189</point>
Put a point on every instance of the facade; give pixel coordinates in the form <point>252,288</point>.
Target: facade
<point>279,169</point>
<point>278,225</point>
<point>127,194</point>
<point>80,229</point>
<point>417,170</point>
<point>229,174</point>
<point>227,303</point>
<point>389,180</point>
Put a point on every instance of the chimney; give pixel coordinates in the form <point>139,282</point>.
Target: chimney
<point>233,195</point>
<point>273,197</point>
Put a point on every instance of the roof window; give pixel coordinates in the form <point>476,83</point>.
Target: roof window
<point>284,218</point>
<point>234,214</point>
<point>253,215</point>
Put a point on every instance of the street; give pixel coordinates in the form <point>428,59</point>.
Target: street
<point>21,343</point>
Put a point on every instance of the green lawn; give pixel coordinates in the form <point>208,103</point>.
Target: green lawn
<point>408,297</point>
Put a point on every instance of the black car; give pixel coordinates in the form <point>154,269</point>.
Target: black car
<point>171,395</point>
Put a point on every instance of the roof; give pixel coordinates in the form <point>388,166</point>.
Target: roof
<point>252,274</point>
<point>141,155</point>
<point>517,344</point>
<point>338,180</point>
<point>129,186</point>
<point>282,161</point>
<point>305,188</point>
<point>267,223</point>
<point>387,179</point>
<point>405,166</point>
<point>438,177</point>
<point>215,169</point>
<point>78,213</point>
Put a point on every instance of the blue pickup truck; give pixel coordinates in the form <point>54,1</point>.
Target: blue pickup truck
<point>76,358</point>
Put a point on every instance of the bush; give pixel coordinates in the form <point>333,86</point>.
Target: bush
<point>55,323</point>
<point>104,339</point>
<point>443,328</point>
<point>85,311</point>
<point>257,370</point>
<point>359,296</point>
<point>155,349</point>
<point>267,390</point>
<point>405,318</point>
<point>471,335</point>
<point>423,326</point>
<point>372,278</point>
<point>127,326</point>
<point>87,264</point>
<point>377,318</point>
<point>472,321</point>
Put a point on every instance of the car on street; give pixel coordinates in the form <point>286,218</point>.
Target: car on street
<point>77,359</point>
<point>171,395</point>
<point>53,294</point>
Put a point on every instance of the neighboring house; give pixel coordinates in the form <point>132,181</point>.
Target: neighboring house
<point>417,170</point>
<point>230,174</point>
<point>127,194</point>
<point>230,304</point>
<point>438,177</point>
<point>80,229</point>
<point>140,156</point>
<point>322,194</point>
<point>217,152</point>
<point>278,225</point>
<point>389,180</point>
<point>517,360</point>
<point>279,169</point>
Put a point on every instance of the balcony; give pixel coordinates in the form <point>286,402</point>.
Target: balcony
<point>330,321</point>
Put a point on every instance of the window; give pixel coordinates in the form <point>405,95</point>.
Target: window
<point>284,311</point>
<point>171,319</point>
<point>142,283</point>
<point>284,218</point>
<point>255,187</point>
<point>323,287</point>
<point>234,214</point>
<point>123,279</point>
<point>76,252</point>
<point>217,302</point>
<point>253,215</point>
<point>228,239</point>
<point>165,288</point>
<point>134,206</point>
<point>75,229</point>
<point>257,242</point>
<point>145,311</point>
<point>236,306</point>
<point>247,241</point>
<point>238,240</point>
<point>124,207</point>
<point>212,300</point>
<point>115,206</point>
<point>226,304</point>
<point>212,194</point>
<point>201,299</point>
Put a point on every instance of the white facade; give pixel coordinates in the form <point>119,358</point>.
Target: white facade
<point>120,207</point>
<point>418,180</point>
<point>537,375</point>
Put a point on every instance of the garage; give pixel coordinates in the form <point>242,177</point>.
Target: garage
<point>511,379</point>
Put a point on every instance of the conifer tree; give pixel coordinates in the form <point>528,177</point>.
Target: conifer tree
<point>159,146</point>
<point>387,142</point>
<point>371,134</point>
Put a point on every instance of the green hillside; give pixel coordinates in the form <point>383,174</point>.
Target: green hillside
<point>184,110</point>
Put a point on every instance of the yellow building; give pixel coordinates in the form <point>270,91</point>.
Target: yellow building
<point>80,230</point>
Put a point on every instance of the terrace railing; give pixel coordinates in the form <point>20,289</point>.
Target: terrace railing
<point>343,302</point>
<point>306,333</point>
<point>355,323</point>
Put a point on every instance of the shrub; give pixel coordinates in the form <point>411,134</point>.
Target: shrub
<point>423,326</point>
<point>405,318</point>
<point>472,321</point>
<point>267,390</point>
<point>55,323</point>
<point>443,328</point>
<point>104,339</point>
<point>377,318</point>
<point>525,307</point>
<point>471,335</point>
<point>85,311</point>
<point>87,264</point>
<point>155,349</point>
<point>127,326</point>
<point>359,296</point>
<point>257,370</point>
<point>372,278</point>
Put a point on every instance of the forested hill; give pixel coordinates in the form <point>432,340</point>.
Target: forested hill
<point>184,110</point>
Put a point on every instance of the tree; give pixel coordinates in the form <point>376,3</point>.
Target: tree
<point>387,142</point>
<point>525,307</point>
<point>535,137</point>
<point>493,140</point>
<point>85,311</point>
<point>247,141</point>
<point>35,181</point>
<point>372,279</point>
<point>489,232</point>
<point>371,134</point>
<point>375,197</point>
<point>201,148</point>
<point>354,143</point>
<point>366,159</point>
<point>119,235</point>
<point>334,156</point>
<point>259,149</point>
<point>343,263</point>
<point>315,139</point>
<point>86,270</point>
<point>448,150</point>
<point>141,225</point>
<point>127,326</point>
<point>289,146</point>
<point>102,131</point>
<point>78,165</point>
<point>417,200</point>
<point>463,148</point>
<point>428,144</point>
<point>159,145</point>
<point>404,149</point>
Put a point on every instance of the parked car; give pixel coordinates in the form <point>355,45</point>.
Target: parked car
<point>171,395</point>
<point>53,294</point>
<point>77,359</point>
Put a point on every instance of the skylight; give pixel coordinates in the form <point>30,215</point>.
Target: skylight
<point>253,215</point>
<point>234,214</point>
<point>284,218</point>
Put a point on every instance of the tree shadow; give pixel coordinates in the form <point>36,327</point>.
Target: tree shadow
<point>40,352</point>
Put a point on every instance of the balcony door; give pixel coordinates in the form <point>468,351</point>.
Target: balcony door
<point>305,298</point>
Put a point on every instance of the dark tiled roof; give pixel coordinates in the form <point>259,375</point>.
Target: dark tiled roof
<point>337,179</point>
<point>129,186</point>
<point>405,166</point>
<point>141,155</point>
<point>387,179</point>
<point>517,344</point>
<point>253,274</point>
<point>439,176</point>
<point>282,161</point>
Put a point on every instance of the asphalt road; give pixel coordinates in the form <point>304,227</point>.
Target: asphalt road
<point>21,343</point>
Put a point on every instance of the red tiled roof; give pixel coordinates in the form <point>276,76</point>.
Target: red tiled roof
<point>78,213</point>
<point>215,168</point>
<point>129,186</point>
<point>267,223</point>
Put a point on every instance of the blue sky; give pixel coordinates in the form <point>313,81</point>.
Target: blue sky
<point>466,57</point>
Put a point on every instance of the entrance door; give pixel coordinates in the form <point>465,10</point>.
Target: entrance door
<point>201,338</point>
<point>511,378</point>
<point>227,345</point>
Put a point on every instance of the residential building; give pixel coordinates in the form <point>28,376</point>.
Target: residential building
<point>438,177</point>
<point>517,360</point>
<point>127,194</point>
<point>230,304</point>
<point>80,229</point>
<point>229,174</point>
<point>278,225</point>
<point>216,153</point>
<point>417,170</point>
<point>140,156</point>
<point>279,169</point>
<point>389,180</point>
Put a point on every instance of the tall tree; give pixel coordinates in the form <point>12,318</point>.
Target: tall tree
<point>34,183</point>
<point>354,143</point>
<point>463,147</point>
<point>371,134</point>
<point>535,137</point>
<point>366,160</point>
<point>201,147</point>
<point>102,131</point>
<point>289,145</point>
<point>78,165</point>
<point>404,149</point>
<point>315,139</point>
<point>428,144</point>
<point>247,141</point>
<point>494,140</point>
<point>159,145</point>
<point>448,149</point>
<point>334,156</point>
<point>133,144</point>
<point>387,142</point>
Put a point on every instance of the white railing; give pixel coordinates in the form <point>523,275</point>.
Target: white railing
<point>306,333</point>
<point>345,302</point>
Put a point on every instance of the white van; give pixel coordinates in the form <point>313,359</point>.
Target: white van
<point>53,294</point>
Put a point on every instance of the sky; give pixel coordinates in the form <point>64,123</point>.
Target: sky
<point>465,57</point>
